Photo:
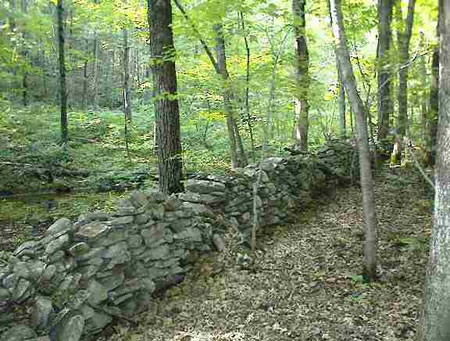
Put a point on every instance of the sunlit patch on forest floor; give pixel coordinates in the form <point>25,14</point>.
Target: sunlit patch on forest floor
<point>305,281</point>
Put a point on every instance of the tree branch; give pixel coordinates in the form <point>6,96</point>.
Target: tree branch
<point>198,35</point>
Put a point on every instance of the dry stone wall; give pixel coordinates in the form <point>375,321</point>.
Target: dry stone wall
<point>81,275</point>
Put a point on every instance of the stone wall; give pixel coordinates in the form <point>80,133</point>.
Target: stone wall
<point>81,275</point>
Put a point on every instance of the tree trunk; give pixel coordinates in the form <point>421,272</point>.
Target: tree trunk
<point>113,71</point>
<point>95,71</point>
<point>237,153</point>
<point>162,52</point>
<point>85,78</point>
<point>423,93</point>
<point>434,99</point>
<point>348,78</point>
<point>62,73</point>
<point>383,70</point>
<point>247,88</point>
<point>302,75</point>
<point>404,38</point>
<point>11,18</point>
<point>25,54</point>
<point>436,326</point>
<point>342,104</point>
<point>238,157</point>
<point>126,78</point>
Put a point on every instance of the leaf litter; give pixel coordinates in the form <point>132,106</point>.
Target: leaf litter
<point>304,281</point>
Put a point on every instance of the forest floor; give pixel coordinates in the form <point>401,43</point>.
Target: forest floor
<point>42,180</point>
<point>304,282</point>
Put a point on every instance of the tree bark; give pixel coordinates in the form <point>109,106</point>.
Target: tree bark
<point>436,326</point>
<point>25,54</point>
<point>126,78</point>
<point>11,18</point>
<point>383,71</point>
<point>167,114</point>
<point>302,75</point>
<point>348,78</point>
<point>237,153</point>
<point>95,68</point>
<point>247,87</point>
<point>434,99</point>
<point>85,78</point>
<point>404,39</point>
<point>342,104</point>
<point>423,93</point>
<point>62,73</point>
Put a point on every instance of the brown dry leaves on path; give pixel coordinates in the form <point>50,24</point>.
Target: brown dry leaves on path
<point>304,283</point>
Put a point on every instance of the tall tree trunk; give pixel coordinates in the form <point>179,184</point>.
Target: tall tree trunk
<point>237,153</point>
<point>348,78</point>
<point>167,114</point>
<point>434,99</point>
<point>404,39</point>
<point>385,106</point>
<point>126,77</point>
<point>247,87</point>
<point>302,75</point>
<point>423,93</point>
<point>25,54</point>
<point>11,18</point>
<point>85,78</point>
<point>342,104</point>
<point>436,326</point>
<point>62,73</point>
<point>113,71</point>
<point>96,64</point>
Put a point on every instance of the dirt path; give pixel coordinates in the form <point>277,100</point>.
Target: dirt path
<point>304,282</point>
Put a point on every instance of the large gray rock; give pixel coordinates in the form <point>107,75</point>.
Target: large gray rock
<point>70,329</point>
<point>117,254</point>
<point>199,209</point>
<point>97,322</point>
<point>97,292</point>
<point>113,237</point>
<point>57,244</point>
<point>92,231</point>
<point>91,254</point>
<point>41,311</point>
<point>22,270</point>
<point>191,234</point>
<point>4,294</point>
<point>92,216</point>
<point>27,249</point>
<point>22,291</point>
<point>204,186</point>
<point>119,250</point>
<point>112,281</point>
<point>160,252</point>
<point>58,226</point>
<point>153,236</point>
<point>48,273</point>
<point>18,332</point>
<point>121,221</point>
<point>135,241</point>
<point>219,243</point>
<point>79,249</point>
<point>36,269</point>
<point>207,199</point>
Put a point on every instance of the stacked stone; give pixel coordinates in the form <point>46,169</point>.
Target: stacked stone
<point>81,275</point>
<point>339,159</point>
